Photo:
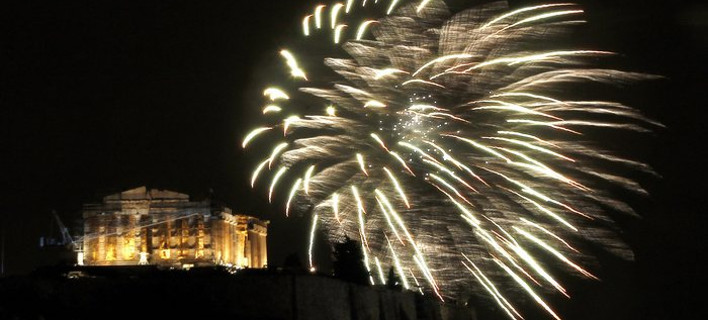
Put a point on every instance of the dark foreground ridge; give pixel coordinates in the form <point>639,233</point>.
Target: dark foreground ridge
<point>142,292</point>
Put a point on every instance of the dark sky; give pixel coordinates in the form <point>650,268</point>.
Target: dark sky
<point>97,97</point>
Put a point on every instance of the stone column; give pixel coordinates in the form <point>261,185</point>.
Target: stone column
<point>263,250</point>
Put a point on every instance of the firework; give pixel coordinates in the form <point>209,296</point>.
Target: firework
<point>450,144</point>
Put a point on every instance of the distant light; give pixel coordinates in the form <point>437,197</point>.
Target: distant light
<point>331,111</point>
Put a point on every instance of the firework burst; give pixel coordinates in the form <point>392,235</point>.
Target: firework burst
<point>450,144</point>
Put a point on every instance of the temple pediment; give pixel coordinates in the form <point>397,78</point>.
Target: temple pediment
<point>142,193</point>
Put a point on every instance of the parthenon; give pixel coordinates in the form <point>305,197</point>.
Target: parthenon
<point>164,228</point>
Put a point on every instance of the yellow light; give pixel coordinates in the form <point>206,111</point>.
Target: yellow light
<point>390,8</point>
<point>111,253</point>
<point>271,108</point>
<point>338,32</point>
<point>253,134</point>
<point>335,206</point>
<point>421,5</point>
<point>306,25</point>
<point>374,104</point>
<point>331,111</point>
<point>275,181</point>
<point>290,60</point>
<point>275,94</point>
<point>308,176</point>
<point>334,13</point>
<point>380,73</point>
<point>362,28</point>
<point>360,159</point>
<point>523,10</point>
<point>294,189</point>
<point>398,187</point>
<point>318,16</point>
<point>312,242</point>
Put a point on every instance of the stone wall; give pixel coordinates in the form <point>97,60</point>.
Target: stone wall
<point>280,296</point>
<point>146,292</point>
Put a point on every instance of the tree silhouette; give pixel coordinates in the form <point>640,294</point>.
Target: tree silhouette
<point>393,282</point>
<point>348,262</point>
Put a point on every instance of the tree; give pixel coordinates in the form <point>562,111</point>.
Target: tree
<point>393,282</point>
<point>348,262</point>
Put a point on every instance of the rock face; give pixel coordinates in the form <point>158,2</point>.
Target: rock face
<point>211,293</point>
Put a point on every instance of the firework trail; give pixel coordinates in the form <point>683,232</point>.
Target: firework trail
<point>450,144</point>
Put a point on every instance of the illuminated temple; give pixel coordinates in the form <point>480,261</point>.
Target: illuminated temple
<point>165,228</point>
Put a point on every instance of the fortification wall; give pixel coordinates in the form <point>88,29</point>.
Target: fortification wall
<point>146,292</point>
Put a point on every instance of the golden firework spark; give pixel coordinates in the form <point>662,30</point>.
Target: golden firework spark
<point>450,143</point>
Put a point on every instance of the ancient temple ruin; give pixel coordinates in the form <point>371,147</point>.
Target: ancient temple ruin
<point>165,228</point>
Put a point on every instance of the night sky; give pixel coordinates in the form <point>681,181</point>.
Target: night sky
<point>101,97</point>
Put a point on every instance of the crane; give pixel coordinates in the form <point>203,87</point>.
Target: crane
<point>66,239</point>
